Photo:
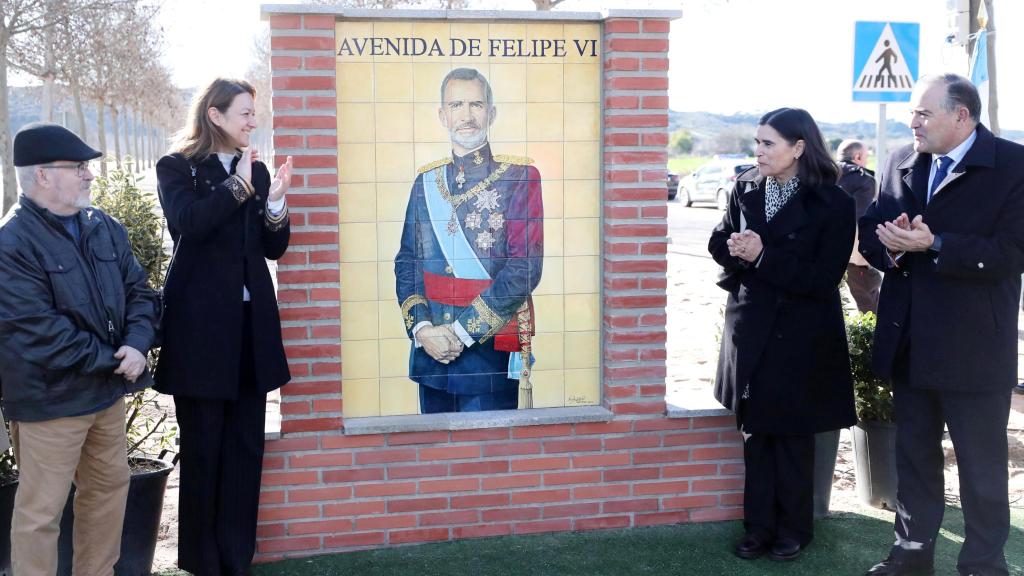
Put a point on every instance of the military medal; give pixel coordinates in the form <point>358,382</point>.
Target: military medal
<point>460,178</point>
<point>477,158</point>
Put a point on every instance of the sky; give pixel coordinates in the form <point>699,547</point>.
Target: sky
<point>726,56</point>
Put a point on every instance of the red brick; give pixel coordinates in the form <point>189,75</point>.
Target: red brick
<point>653,83</point>
<point>482,531</point>
<point>661,456</point>
<point>321,180</point>
<point>386,522</point>
<point>312,200</point>
<point>635,372</point>
<point>634,505</point>
<point>622,139</point>
<point>622,176</point>
<point>652,390</point>
<point>657,301</point>
<point>289,478</point>
<point>717,484</point>
<point>449,453</point>
<point>384,456</point>
<point>621,26</point>
<point>736,469</point>
<point>719,453</point>
<point>291,426</point>
<point>319,63</point>
<point>286,277</point>
<point>506,482</point>
<point>272,497</point>
<point>309,160</point>
<point>656,26</point>
<point>291,444</point>
<point>512,449</point>
<point>321,460</point>
<point>301,43</point>
<point>480,467</point>
<point>656,407</point>
<point>634,45</point>
<point>529,464</point>
<point>327,405</point>
<point>452,485</point>
<point>654,212</point>
<point>480,501</point>
<point>659,518</point>
<point>354,540</point>
<point>634,194</point>
<point>671,487</point>
<point>310,388</point>
<point>326,368</point>
<point>627,474</point>
<point>691,438</point>
<point>620,356</point>
<point>625,121</point>
<point>600,460</point>
<point>288,544</point>
<point>319,527</point>
<point>510,514</point>
<point>636,157</point>
<point>361,441</point>
<point>630,442</point>
<point>300,407</point>
<point>273,462</point>
<point>622,63</point>
<point>716,514</point>
<point>542,431</point>
<point>687,470</point>
<point>385,489</point>
<point>572,510</point>
<point>731,499</point>
<point>716,422</point>
<point>562,525</point>
<point>447,518</point>
<point>353,475</point>
<point>538,496</point>
<point>328,331</point>
<point>288,103</point>
<point>601,523</point>
<point>417,505</point>
<point>655,102</point>
<point>269,531</point>
<point>600,492</point>
<point>655,139</point>
<point>321,141</point>
<point>698,501</point>
<point>562,478</point>
<point>324,256</point>
<point>649,337</point>
<point>318,22</point>
<point>354,508</point>
<point>622,102</point>
<point>575,446</point>
<point>480,435</point>
<point>269,514</point>
<point>622,212</point>
<point>613,427</point>
<point>285,21</point>
<point>310,122</point>
<point>417,438</point>
<point>417,471</point>
<point>661,424</point>
<point>622,249</point>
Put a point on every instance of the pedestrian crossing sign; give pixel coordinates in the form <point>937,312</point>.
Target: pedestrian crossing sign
<point>885,61</point>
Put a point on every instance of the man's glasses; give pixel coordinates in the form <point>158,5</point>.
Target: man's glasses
<point>81,167</point>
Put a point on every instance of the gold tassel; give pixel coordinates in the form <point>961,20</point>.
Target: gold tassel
<point>525,327</point>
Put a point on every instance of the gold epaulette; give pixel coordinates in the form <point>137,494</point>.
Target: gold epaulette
<point>510,159</point>
<point>434,164</point>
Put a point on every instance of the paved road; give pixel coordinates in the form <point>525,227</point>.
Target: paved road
<point>689,228</point>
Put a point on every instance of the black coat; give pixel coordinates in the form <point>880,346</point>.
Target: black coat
<point>221,244</point>
<point>858,182</point>
<point>784,331</point>
<point>956,310</point>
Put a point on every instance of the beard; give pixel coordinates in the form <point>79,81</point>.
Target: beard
<point>468,141</point>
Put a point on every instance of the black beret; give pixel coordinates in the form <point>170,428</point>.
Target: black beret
<point>45,142</point>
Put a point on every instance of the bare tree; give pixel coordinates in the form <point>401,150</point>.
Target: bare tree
<point>386,4</point>
<point>546,4</point>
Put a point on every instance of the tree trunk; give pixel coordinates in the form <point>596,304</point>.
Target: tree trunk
<point>101,129</point>
<point>79,110</point>
<point>993,98</point>
<point>135,133</point>
<point>10,194</point>
<point>117,136</point>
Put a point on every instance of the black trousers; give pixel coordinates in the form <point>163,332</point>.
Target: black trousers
<point>977,426</point>
<point>221,464</point>
<point>778,490</point>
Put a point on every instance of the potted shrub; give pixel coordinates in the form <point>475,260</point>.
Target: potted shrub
<point>874,436</point>
<point>149,434</point>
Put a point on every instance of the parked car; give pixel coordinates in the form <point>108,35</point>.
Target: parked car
<point>672,181</point>
<point>713,181</point>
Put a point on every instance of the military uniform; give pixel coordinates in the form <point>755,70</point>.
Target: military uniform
<point>471,255</point>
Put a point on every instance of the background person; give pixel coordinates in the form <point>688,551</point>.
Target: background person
<point>859,182</point>
<point>784,368</point>
<point>222,349</point>
<point>947,229</point>
<point>76,321</point>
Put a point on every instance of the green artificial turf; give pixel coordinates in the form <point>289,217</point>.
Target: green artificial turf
<point>845,544</point>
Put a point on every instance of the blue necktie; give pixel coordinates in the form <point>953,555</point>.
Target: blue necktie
<point>940,174</point>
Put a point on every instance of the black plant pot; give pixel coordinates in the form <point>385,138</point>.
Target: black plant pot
<point>139,534</point>
<point>874,450</point>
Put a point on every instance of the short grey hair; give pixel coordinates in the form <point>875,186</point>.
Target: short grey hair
<point>959,92</point>
<point>26,178</point>
<point>848,148</point>
<point>469,74</point>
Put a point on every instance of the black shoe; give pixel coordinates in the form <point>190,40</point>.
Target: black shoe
<point>751,546</point>
<point>894,567</point>
<point>785,549</point>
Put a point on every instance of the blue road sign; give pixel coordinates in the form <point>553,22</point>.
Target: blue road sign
<point>885,61</point>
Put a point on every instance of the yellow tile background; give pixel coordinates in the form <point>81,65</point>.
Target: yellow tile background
<point>547,109</point>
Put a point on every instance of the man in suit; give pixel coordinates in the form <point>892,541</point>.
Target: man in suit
<point>471,255</point>
<point>859,182</point>
<point>946,228</point>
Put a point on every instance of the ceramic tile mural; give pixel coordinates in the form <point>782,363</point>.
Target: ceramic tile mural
<point>469,190</point>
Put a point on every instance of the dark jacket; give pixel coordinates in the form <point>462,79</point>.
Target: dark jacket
<point>955,311</point>
<point>859,182</point>
<point>221,242</point>
<point>65,309</point>
<point>784,332</point>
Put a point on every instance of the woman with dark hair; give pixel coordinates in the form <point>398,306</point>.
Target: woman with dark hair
<point>222,349</point>
<point>784,368</point>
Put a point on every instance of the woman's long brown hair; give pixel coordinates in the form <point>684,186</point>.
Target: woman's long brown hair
<point>201,137</point>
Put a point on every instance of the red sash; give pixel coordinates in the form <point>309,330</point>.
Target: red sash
<point>461,292</point>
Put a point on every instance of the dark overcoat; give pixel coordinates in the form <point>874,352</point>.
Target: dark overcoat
<point>221,242</point>
<point>784,339</point>
<point>962,328</point>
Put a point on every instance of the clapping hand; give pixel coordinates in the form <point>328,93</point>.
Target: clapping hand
<point>746,245</point>
<point>440,342</point>
<point>244,167</point>
<point>282,180</point>
<point>905,235</point>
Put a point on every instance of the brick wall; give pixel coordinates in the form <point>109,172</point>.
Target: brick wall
<point>324,491</point>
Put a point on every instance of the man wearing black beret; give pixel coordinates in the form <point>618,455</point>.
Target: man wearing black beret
<point>76,321</point>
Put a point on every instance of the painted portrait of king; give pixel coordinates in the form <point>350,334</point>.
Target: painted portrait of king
<point>471,254</point>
